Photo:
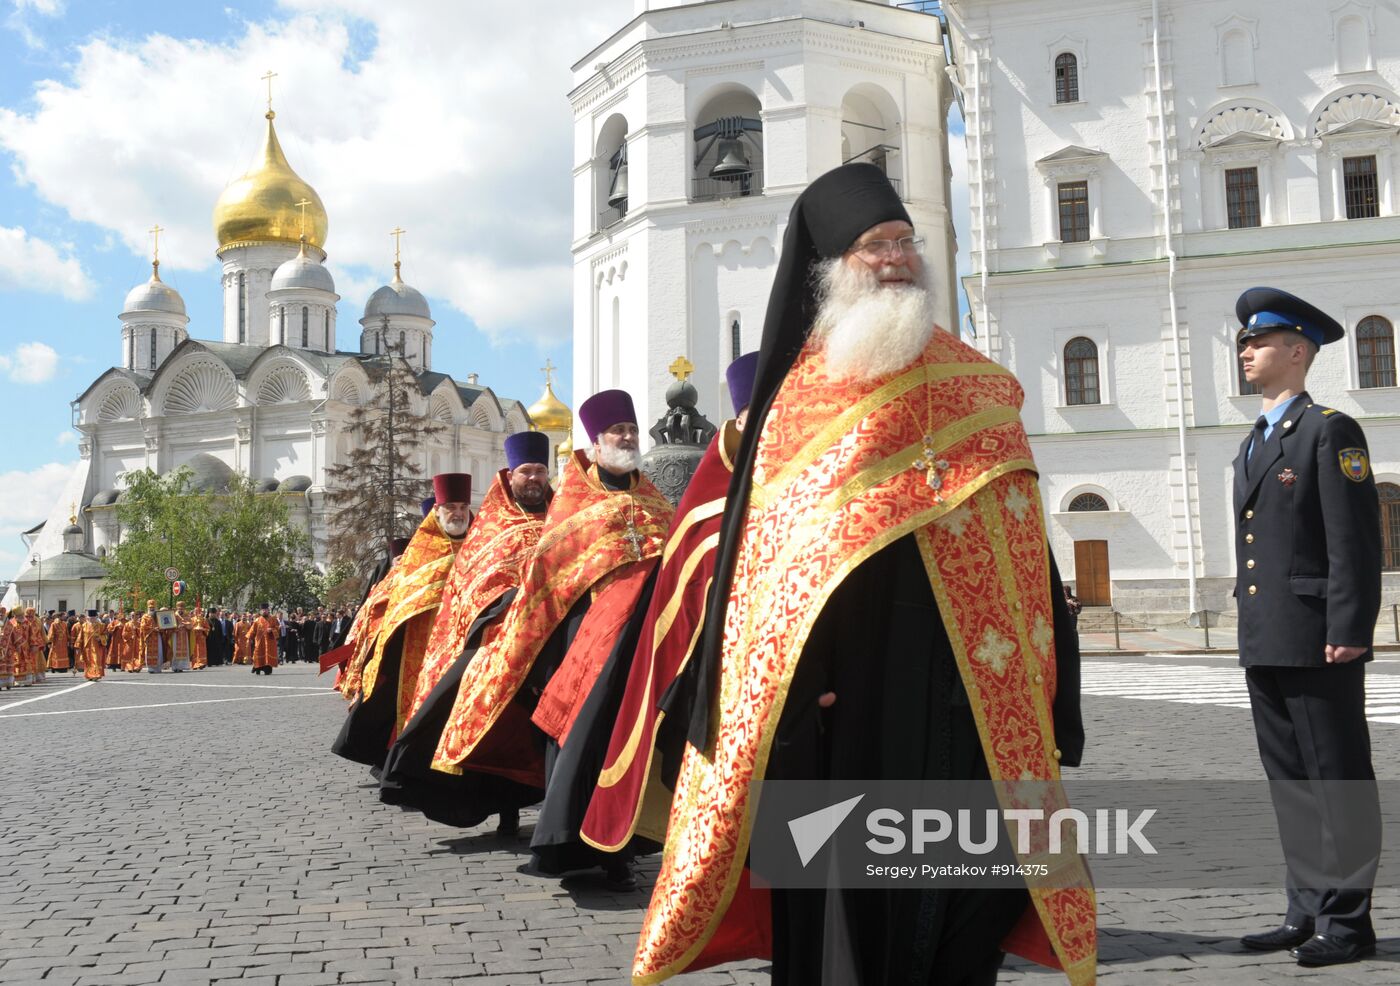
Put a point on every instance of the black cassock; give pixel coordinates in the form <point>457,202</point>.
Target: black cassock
<point>369,725</point>
<point>901,712</point>
<point>465,799</point>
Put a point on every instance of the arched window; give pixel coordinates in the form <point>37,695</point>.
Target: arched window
<point>153,349</point>
<point>242,307</point>
<point>326,333</point>
<point>736,343</point>
<point>1375,352</point>
<point>403,343</point>
<point>305,326</point>
<point>1081,371</point>
<point>282,324</point>
<point>1390,525</point>
<point>1087,501</point>
<point>1066,78</point>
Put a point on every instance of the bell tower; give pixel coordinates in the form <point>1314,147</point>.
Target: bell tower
<point>695,127</point>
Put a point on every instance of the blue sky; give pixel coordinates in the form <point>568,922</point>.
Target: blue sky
<point>447,118</point>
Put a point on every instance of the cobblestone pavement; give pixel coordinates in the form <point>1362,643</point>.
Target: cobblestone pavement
<point>195,829</point>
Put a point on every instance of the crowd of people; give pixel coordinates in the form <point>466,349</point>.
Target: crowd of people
<point>100,641</point>
<point>633,667</point>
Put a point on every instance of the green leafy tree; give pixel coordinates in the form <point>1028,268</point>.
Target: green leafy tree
<point>338,586</point>
<point>374,495</point>
<point>233,547</point>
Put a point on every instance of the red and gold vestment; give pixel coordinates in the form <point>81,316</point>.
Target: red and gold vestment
<point>412,604</point>
<point>594,542</point>
<point>490,562</point>
<point>630,796</point>
<point>844,469</point>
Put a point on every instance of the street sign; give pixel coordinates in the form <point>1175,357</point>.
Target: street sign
<point>178,588</point>
<point>171,574</point>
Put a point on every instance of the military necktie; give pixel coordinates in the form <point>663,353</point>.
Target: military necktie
<point>1255,444</point>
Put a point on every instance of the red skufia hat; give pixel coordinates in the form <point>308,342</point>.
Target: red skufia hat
<point>452,487</point>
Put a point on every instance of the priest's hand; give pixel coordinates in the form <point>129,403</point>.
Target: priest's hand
<point>826,700</point>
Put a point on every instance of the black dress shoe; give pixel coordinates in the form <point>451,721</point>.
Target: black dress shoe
<point>1286,936</point>
<point>619,876</point>
<point>1331,950</point>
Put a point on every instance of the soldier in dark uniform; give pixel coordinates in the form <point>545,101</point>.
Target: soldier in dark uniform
<point>1308,557</point>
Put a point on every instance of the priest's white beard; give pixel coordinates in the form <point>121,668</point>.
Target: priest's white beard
<point>869,329</point>
<point>619,461</point>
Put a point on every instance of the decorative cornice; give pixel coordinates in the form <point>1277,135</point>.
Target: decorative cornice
<point>609,256</point>
<point>730,69</point>
<point>909,54</point>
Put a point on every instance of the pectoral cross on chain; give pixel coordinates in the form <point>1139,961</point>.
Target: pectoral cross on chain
<point>934,468</point>
<point>635,538</point>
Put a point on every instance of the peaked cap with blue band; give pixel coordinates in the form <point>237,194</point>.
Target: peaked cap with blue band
<point>1265,310</point>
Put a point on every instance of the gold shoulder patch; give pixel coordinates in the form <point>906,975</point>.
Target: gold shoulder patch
<point>1330,410</point>
<point>1355,465</point>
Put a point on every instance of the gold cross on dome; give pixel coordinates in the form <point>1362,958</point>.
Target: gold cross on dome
<point>155,232</point>
<point>302,206</point>
<point>548,371</point>
<point>396,233</point>
<point>268,79</point>
<point>681,368</point>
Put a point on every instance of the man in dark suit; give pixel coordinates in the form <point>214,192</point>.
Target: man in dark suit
<point>1308,558</point>
<point>340,628</point>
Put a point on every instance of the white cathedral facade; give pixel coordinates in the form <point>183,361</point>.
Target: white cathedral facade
<point>269,397</point>
<point>696,125</point>
<point>1133,168</point>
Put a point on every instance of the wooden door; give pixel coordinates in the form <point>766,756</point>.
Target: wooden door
<point>1091,573</point>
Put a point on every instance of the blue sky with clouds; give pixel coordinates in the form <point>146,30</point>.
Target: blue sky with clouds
<point>446,117</point>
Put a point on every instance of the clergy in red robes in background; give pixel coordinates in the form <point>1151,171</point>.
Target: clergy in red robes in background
<point>483,583</point>
<point>390,674</point>
<point>602,536</point>
<point>649,708</point>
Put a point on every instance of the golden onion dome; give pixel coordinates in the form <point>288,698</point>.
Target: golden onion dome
<point>565,449</point>
<point>262,206</point>
<point>549,413</point>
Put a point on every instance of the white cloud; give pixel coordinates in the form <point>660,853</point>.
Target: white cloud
<point>450,119</point>
<point>28,263</point>
<point>18,21</point>
<point>66,438</point>
<point>26,498</point>
<point>31,362</point>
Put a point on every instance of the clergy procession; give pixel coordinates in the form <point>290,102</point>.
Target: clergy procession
<point>159,640</point>
<point>855,583</point>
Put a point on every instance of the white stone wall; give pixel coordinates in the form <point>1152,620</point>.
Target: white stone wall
<point>671,277</point>
<point>1263,74</point>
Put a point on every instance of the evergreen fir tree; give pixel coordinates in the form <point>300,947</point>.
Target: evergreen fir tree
<point>375,494</point>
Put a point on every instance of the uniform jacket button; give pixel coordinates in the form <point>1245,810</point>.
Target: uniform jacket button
<point>1249,564</point>
<point>1253,589</point>
<point>1249,539</point>
<point>1249,515</point>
